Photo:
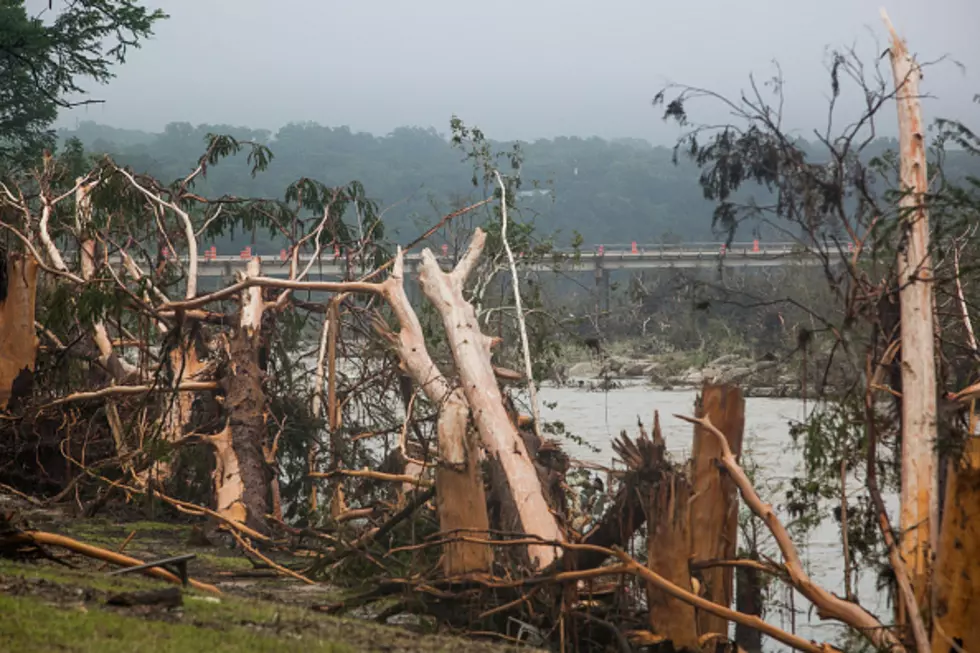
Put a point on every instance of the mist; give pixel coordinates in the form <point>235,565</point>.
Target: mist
<point>519,70</point>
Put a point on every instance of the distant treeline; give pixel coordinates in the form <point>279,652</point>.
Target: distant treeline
<point>610,192</point>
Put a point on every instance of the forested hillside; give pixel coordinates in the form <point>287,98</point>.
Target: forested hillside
<point>611,192</point>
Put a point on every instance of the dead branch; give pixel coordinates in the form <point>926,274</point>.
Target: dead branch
<point>52,539</point>
<point>522,327</point>
<point>828,606</point>
<point>267,560</point>
<point>126,390</point>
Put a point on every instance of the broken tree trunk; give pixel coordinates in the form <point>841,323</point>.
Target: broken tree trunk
<point>18,340</point>
<point>460,497</point>
<point>714,507</point>
<point>919,492</point>
<point>668,554</point>
<point>471,352</point>
<point>242,478</point>
<point>957,574</point>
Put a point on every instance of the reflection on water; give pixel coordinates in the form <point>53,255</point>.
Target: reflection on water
<point>598,417</point>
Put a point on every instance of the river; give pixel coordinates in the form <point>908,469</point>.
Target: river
<point>598,417</point>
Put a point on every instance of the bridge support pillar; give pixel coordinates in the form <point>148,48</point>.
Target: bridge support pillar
<point>602,287</point>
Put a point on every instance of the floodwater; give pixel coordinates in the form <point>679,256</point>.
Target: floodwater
<point>599,417</point>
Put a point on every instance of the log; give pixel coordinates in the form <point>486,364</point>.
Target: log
<point>504,446</point>
<point>714,509</point>
<point>919,522</point>
<point>957,575</point>
<point>18,340</point>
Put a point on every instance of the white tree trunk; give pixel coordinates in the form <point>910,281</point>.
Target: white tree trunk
<point>471,351</point>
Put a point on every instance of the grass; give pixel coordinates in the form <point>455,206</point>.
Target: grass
<point>30,625</point>
<point>46,607</point>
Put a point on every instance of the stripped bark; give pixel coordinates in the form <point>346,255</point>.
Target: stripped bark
<point>714,507</point>
<point>460,496</point>
<point>957,573</point>
<point>920,484</point>
<point>471,351</point>
<point>18,338</point>
<point>242,477</point>
<point>668,554</point>
<point>828,605</point>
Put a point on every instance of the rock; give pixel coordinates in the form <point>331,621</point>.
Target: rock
<point>634,369</point>
<point>735,374</point>
<point>583,370</point>
<point>727,359</point>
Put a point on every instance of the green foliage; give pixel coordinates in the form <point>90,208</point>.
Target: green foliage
<point>44,63</point>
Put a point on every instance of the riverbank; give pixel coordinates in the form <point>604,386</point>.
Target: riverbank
<point>759,376</point>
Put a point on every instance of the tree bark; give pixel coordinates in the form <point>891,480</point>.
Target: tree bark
<point>471,352</point>
<point>714,508</point>
<point>460,497</point>
<point>668,554</point>
<point>920,491</point>
<point>18,340</point>
<point>242,478</point>
<point>957,574</point>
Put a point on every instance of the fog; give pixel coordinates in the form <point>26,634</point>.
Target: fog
<point>519,69</point>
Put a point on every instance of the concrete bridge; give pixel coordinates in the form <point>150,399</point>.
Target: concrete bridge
<point>601,258</point>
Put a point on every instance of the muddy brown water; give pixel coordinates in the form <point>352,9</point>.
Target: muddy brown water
<point>598,417</point>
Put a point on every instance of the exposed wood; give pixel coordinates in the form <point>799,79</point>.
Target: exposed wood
<point>919,521</point>
<point>957,573</point>
<point>242,477</point>
<point>18,338</point>
<point>714,507</point>
<point>668,554</point>
<point>471,352</point>
<point>460,496</point>
<point>828,605</point>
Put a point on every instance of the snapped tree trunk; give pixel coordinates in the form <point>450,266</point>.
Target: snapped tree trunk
<point>714,508</point>
<point>471,352</point>
<point>668,554</point>
<point>242,478</point>
<point>460,497</point>
<point>18,339</point>
<point>957,575</point>
<point>919,492</point>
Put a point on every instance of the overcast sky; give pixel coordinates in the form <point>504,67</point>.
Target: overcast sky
<point>517,68</point>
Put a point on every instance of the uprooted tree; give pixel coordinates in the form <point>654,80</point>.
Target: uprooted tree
<point>383,434</point>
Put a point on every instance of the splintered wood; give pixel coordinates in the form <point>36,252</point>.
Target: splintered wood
<point>668,554</point>
<point>714,507</point>
<point>957,574</point>
<point>18,342</point>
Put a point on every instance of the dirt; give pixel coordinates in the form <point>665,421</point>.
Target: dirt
<point>61,604</point>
